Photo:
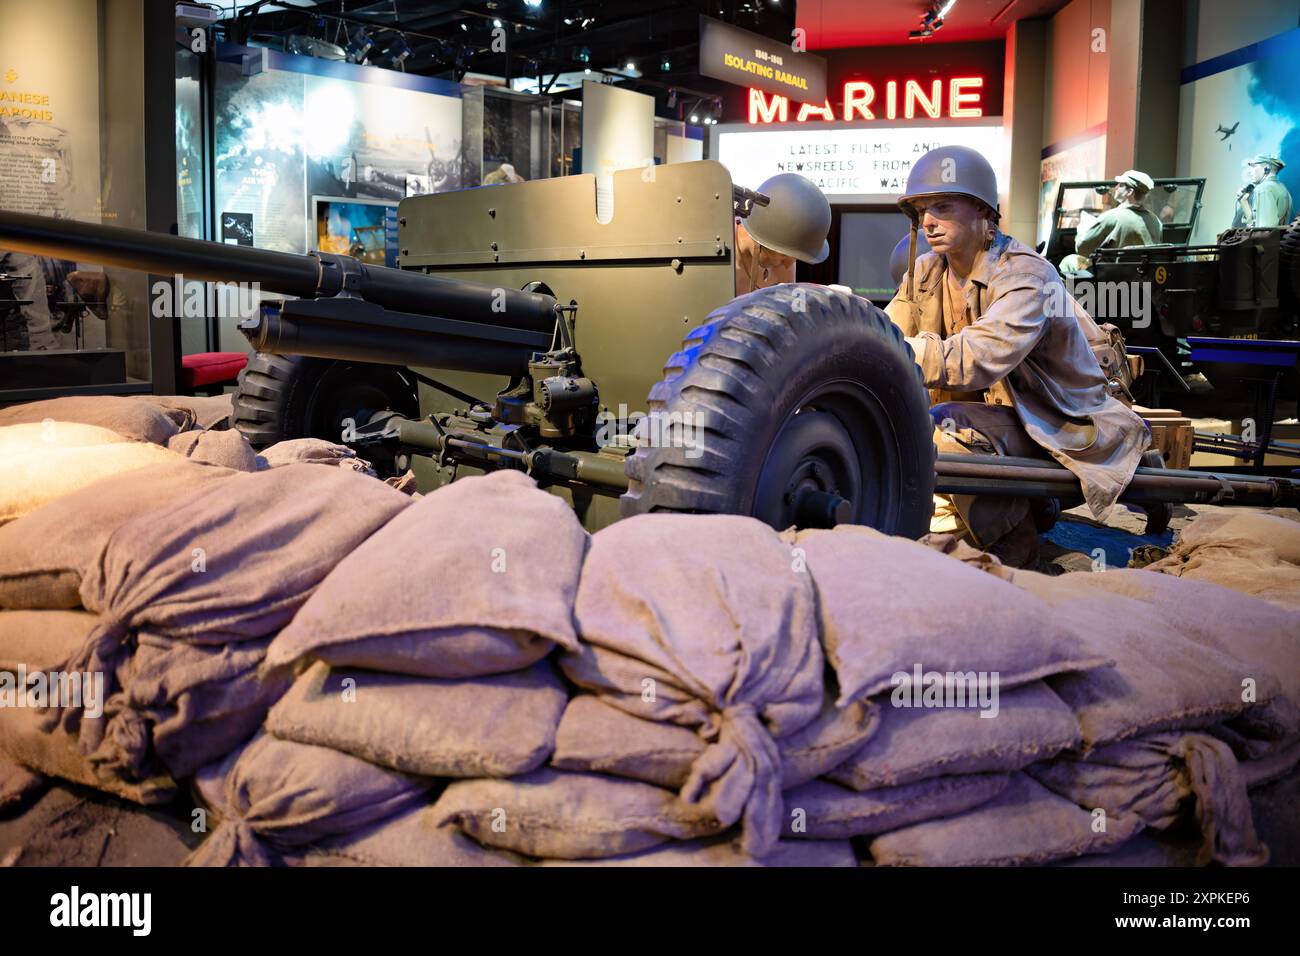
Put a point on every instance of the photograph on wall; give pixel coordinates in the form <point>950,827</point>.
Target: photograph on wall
<point>1076,163</point>
<point>362,228</point>
<point>1241,113</point>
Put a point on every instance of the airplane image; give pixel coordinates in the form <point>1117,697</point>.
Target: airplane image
<point>1227,132</point>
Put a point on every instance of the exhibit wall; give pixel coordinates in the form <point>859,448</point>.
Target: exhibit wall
<point>72,147</point>
<point>293,130</point>
<point>1237,103</point>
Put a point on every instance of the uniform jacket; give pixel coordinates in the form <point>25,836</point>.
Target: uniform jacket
<point>1270,204</point>
<point>1119,227</point>
<point>1028,344</point>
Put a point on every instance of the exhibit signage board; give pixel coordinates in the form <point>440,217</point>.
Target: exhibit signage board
<point>851,164</point>
<point>738,56</point>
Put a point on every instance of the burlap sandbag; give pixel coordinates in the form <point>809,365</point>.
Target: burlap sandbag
<point>494,726</point>
<point>598,737</point>
<point>185,706</point>
<point>888,604</point>
<point>276,793</point>
<point>1170,672</point>
<point>724,851</point>
<point>42,462</point>
<point>55,753</point>
<point>1025,824</point>
<point>821,810</point>
<point>18,784</point>
<point>208,412</point>
<point>704,621</point>
<point>477,578</point>
<point>232,562</point>
<point>41,640</point>
<point>311,451</point>
<point>1156,778</point>
<point>1143,850</point>
<point>227,449</point>
<point>44,554</point>
<point>570,816</point>
<point>408,839</point>
<point>913,743</point>
<point>133,420</point>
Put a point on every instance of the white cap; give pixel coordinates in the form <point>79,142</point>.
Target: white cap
<point>1137,179</point>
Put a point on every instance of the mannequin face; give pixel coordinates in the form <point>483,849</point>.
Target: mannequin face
<point>1256,172</point>
<point>757,266</point>
<point>953,225</point>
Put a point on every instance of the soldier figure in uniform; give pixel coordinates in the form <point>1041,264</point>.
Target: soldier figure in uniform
<point>793,225</point>
<point>1129,223</point>
<point>1008,356</point>
<point>1264,201</point>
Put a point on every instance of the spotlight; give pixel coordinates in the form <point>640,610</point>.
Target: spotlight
<point>587,72</point>
<point>584,55</point>
<point>397,52</point>
<point>631,67</point>
<point>359,44</point>
<point>497,24</point>
<point>464,27</point>
<point>695,119</point>
<point>532,4</point>
<point>665,64</point>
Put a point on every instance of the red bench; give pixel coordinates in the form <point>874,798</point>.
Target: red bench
<point>210,371</point>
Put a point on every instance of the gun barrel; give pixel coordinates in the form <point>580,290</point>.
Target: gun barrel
<point>284,273</point>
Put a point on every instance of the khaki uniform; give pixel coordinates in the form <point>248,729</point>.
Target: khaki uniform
<point>1004,341</point>
<point>1270,204</point>
<point>1126,225</point>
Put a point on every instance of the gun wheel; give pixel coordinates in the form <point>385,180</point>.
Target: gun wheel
<point>797,404</point>
<point>280,397</point>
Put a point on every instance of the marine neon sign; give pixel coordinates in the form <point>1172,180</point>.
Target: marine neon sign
<point>957,98</point>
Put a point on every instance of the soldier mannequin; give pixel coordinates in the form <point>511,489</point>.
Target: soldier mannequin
<point>1129,223</point>
<point>1264,201</point>
<point>1009,373</point>
<point>794,225</point>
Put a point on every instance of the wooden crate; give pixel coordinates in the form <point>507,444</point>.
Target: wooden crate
<point>1171,433</point>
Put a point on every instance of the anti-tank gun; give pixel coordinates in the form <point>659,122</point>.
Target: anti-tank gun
<point>606,355</point>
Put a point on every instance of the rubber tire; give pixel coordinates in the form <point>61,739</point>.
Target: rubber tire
<point>1289,266</point>
<point>276,396</point>
<point>743,373</point>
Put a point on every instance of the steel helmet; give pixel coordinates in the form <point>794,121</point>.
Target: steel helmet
<point>948,170</point>
<point>795,222</point>
<point>898,258</point>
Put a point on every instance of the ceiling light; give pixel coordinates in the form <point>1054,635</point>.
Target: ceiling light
<point>497,24</point>
<point>695,119</point>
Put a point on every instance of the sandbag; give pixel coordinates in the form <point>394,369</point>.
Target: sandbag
<point>477,578</point>
<point>128,417</point>
<point>913,743</point>
<point>44,554</point>
<point>408,839</point>
<point>55,753</point>
<point>821,810</point>
<point>185,706</point>
<point>1153,777</point>
<point>1026,824</point>
<point>227,449</point>
<point>207,412</point>
<point>724,851</point>
<point>704,621</point>
<point>1169,673</point>
<point>480,727</point>
<point>888,604</point>
<point>18,784</point>
<point>311,451</point>
<point>41,640</point>
<point>570,815</point>
<point>232,562</point>
<point>598,737</point>
<point>42,462</point>
<point>276,793</point>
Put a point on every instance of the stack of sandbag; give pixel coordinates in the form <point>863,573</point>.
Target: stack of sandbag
<point>955,661</point>
<point>207,413</point>
<point>1200,702</point>
<point>129,417</point>
<point>1254,552</point>
<point>180,577</point>
<point>423,659</point>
